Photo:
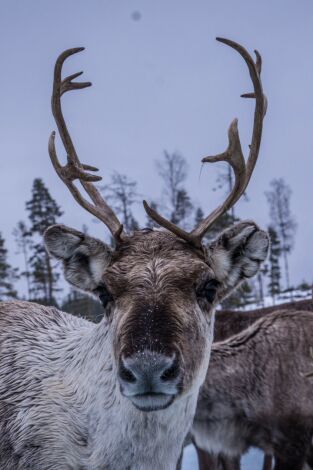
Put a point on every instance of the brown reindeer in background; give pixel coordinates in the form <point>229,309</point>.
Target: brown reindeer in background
<point>228,323</point>
<point>258,392</point>
<point>123,393</point>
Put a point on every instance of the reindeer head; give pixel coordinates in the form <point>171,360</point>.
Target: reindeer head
<point>159,287</point>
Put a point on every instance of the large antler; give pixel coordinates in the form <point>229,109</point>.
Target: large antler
<point>74,169</point>
<point>233,154</point>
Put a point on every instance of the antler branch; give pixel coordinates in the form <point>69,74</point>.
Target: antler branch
<point>74,169</point>
<point>233,154</point>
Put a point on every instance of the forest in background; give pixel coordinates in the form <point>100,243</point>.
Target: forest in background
<point>41,274</point>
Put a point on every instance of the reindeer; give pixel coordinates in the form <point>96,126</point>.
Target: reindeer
<point>123,393</point>
<point>258,391</point>
<point>228,323</point>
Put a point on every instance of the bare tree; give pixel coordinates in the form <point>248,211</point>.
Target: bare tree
<point>225,179</point>
<point>173,171</point>
<point>123,195</point>
<point>260,280</point>
<point>282,219</point>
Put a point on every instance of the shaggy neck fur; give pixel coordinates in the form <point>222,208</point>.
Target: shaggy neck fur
<point>242,402</point>
<point>120,436</point>
<point>218,426</point>
<point>67,411</point>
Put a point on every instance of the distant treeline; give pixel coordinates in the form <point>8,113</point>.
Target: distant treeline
<point>42,276</point>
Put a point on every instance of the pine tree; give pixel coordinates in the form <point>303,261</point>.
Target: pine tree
<point>274,267</point>
<point>183,208</point>
<point>240,297</point>
<point>7,274</point>
<point>23,240</point>
<point>260,294</point>
<point>224,222</point>
<point>43,212</point>
<point>260,279</point>
<point>247,292</point>
<point>199,216</point>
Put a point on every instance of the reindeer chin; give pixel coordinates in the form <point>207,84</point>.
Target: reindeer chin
<point>152,401</point>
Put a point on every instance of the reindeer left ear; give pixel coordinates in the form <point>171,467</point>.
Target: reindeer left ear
<point>237,254</point>
<point>85,259</point>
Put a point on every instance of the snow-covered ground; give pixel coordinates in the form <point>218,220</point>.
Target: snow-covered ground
<point>282,298</point>
<point>251,461</point>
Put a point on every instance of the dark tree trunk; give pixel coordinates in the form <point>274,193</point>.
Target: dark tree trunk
<point>25,254</point>
<point>50,280</point>
<point>286,268</point>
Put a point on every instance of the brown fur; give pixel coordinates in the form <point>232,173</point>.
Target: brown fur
<point>256,388</point>
<point>156,282</point>
<point>159,273</point>
<point>228,323</point>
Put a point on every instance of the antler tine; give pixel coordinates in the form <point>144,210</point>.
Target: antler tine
<point>163,222</point>
<point>233,154</point>
<point>74,169</point>
<point>258,65</point>
<point>260,104</point>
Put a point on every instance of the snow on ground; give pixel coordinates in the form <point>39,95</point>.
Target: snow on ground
<point>251,461</point>
<point>282,298</point>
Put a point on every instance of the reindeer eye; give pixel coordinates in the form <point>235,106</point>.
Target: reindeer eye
<point>208,290</point>
<point>104,295</point>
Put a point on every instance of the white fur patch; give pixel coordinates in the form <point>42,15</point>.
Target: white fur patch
<point>98,265</point>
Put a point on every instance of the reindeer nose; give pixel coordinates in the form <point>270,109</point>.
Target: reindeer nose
<point>149,372</point>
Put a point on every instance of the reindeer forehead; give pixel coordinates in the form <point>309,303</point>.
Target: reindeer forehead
<point>155,259</point>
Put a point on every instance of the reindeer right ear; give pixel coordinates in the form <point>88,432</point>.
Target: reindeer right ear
<point>85,259</point>
<point>236,255</point>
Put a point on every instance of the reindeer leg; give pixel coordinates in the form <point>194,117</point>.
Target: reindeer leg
<point>206,461</point>
<point>293,464</point>
<point>292,454</point>
<point>309,457</point>
<point>180,461</point>
<point>230,463</point>
<point>267,462</point>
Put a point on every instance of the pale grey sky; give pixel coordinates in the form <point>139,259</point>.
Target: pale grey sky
<point>160,81</point>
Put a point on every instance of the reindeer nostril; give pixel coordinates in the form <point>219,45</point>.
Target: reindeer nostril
<point>126,374</point>
<point>170,373</point>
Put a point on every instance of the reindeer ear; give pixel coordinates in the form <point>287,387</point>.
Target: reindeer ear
<point>237,254</point>
<point>85,259</point>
